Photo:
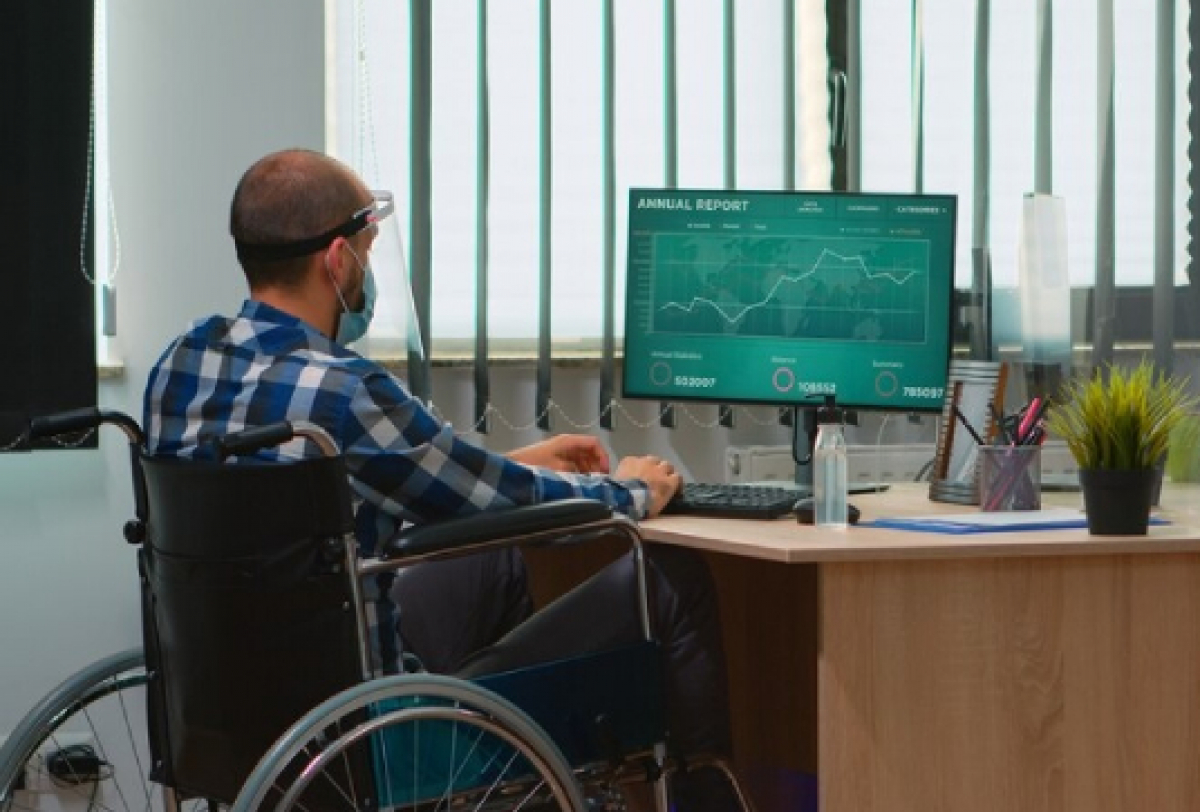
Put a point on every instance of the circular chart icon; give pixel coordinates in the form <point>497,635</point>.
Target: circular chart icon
<point>886,384</point>
<point>660,373</point>
<point>783,380</point>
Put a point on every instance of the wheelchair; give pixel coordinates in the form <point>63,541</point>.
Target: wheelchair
<point>257,687</point>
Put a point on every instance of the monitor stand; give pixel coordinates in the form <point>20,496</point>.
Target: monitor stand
<point>804,438</point>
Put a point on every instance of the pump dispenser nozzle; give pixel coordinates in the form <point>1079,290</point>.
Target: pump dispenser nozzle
<point>829,413</point>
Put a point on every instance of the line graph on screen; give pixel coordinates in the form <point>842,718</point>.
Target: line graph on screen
<point>823,287</point>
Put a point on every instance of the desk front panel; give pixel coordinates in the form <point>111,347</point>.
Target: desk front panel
<point>1041,685</point>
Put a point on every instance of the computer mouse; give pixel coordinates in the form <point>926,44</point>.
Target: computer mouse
<point>806,512</point>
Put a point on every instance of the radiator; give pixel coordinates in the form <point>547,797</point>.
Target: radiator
<point>868,463</point>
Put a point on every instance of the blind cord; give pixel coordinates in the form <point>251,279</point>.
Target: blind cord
<point>614,406</point>
<point>368,153</point>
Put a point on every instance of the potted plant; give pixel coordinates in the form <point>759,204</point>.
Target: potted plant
<point>1118,426</point>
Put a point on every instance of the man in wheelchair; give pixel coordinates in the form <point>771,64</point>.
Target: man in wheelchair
<point>304,228</point>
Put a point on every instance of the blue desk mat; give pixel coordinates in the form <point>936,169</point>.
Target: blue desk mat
<point>1017,521</point>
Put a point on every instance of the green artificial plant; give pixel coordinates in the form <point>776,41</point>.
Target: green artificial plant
<point>1121,420</point>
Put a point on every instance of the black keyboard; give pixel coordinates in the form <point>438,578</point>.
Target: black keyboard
<point>735,501</point>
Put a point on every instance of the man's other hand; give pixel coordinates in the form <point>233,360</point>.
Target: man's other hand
<point>570,453</point>
<point>660,475</point>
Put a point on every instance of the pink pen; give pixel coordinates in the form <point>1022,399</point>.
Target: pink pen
<point>1028,421</point>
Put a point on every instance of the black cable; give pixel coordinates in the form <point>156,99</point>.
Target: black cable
<point>76,764</point>
<point>920,475</point>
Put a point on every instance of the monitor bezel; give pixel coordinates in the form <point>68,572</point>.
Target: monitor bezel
<point>808,400</point>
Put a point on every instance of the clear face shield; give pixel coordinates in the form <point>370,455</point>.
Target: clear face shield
<point>394,327</point>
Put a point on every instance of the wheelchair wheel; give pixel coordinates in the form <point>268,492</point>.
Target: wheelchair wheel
<point>413,742</point>
<point>103,706</point>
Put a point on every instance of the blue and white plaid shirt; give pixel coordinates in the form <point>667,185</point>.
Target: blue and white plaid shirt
<point>405,465</point>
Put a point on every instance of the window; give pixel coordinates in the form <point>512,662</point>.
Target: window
<point>370,125</point>
<point>949,30</point>
<point>370,128</point>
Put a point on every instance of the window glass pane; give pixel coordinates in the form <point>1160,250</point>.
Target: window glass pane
<point>578,159</point>
<point>1074,137</point>
<point>759,85</point>
<point>949,122</point>
<point>1134,100</point>
<point>1013,82</point>
<point>639,78</point>
<point>512,215</point>
<point>453,152</point>
<point>887,157</point>
<point>701,82</point>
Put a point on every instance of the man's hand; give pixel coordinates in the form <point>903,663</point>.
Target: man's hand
<point>657,473</point>
<point>570,453</point>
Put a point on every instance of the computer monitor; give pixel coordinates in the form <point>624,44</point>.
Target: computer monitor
<point>780,298</point>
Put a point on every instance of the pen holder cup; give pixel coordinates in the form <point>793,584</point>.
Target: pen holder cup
<point>1010,477</point>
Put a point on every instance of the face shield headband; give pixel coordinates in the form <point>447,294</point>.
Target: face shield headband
<point>395,316</point>
<point>367,217</point>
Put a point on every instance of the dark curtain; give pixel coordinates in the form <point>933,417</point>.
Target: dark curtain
<point>47,314</point>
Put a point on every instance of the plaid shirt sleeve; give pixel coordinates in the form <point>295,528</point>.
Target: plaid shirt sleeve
<point>413,467</point>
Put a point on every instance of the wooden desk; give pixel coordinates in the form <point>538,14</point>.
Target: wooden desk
<point>1036,671</point>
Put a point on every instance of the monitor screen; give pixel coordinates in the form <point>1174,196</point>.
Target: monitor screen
<point>782,297</point>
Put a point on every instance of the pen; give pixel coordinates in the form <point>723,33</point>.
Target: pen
<point>1032,413</point>
<point>1034,432</point>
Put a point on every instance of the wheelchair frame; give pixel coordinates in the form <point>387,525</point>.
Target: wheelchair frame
<point>425,543</point>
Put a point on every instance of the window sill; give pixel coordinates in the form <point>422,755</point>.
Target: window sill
<point>114,370</point>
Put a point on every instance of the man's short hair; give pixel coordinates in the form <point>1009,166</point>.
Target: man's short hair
<point>285,197</point>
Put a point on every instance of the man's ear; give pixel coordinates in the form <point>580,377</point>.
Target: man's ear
<point>334,263</point>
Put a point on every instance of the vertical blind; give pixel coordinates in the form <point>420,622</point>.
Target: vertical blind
<point>560,108</point>
<point>1086,100</point>
<point>517,135</point>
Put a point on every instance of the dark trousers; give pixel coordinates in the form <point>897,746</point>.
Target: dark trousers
<point>473,615</point>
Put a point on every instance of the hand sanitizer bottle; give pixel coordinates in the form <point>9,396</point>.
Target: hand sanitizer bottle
<point>830,468</point>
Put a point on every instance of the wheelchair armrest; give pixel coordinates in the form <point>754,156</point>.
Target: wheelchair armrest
<point>491,526</point>
<point>77,420</point>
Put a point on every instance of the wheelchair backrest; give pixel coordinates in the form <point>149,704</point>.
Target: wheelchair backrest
<point>249,615</point>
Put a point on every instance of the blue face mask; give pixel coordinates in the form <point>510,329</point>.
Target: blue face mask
<point>353,326</point>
